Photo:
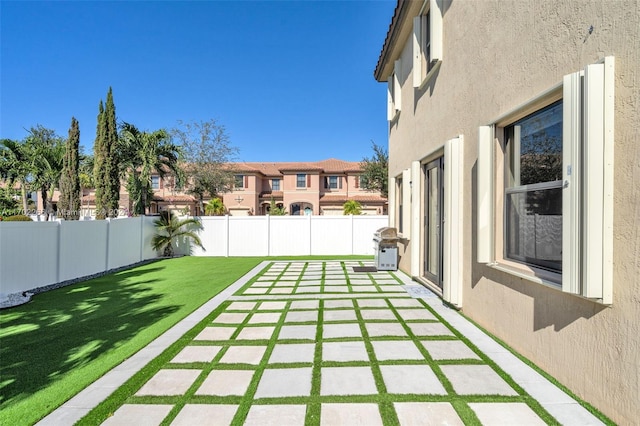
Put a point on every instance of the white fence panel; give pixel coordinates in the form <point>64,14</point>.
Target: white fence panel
<point>363,229</point>
<point>125,237</point>
<point>148,231</point>
<point>290,235</point>
<point>331,235</point>
<point>83,248</point>
<point>28,255</point>
<point>214,236</point>
<point>248,236</point>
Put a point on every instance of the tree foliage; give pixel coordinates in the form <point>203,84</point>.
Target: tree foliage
<point>352,207</point>
<point>215,207</point>
<point>275,210</point>
<point>16,166</point>
<point>169,229</point>
<point>47,156</point>
<point>105,152</point>
<point>375,171</point>
<point>141,155</point>
<point>69,202</point>
<point>206,151</point>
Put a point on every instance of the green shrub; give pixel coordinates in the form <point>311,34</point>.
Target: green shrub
<point>17,218</point>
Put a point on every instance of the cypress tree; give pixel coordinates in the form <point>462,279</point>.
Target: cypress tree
<point>99,159</point>
<point>69,204</point>
<point>112,175</point>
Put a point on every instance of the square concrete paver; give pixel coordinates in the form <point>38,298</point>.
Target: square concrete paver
<point>297,332</point>
<point>347,381</point>
<point>344,351</point>
<point>336,289</point>
<point>360,281</point>
<point>196,354</point>
<point>139,414</point>
<point>415,314</point>
<point>256,290</point>
<point>295,352</point>
<point>226,382</point>
<point>506,414</point>
<point>272,306</point>
<point>331,331</point>
<point>411,379</point>
<point>378,314</point>
<point>256,333</point>
<point>262,284</point>
<point>301,316</point>
<point>476,380</point>
<point>427,414</point>
<point>241,306</point>
<point>243,355</point>
<point>169,382</point>
<point>364,289</point>
<point>282,382</point>
<point>305,304</point>
<point>350,414</point>
<point>396,350</point>
<point>338,304</point>
<point>406,303</point>
<point>372,303</point>
<point>216,333</point>
<point>340,315</point>
<point>449,349</point>
<point>265,318</point>
<point>308,283</point>
<point>230,318</point>
<point>308,289</point>
<point>282,290</point>
<point>429,329</point>
<point>205,414</point>
<point>276,415</point>
<point>385,329</point>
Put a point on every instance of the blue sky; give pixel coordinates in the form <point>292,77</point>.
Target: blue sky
<point>290,80</point>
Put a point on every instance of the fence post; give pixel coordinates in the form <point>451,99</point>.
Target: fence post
<point>268,235</point>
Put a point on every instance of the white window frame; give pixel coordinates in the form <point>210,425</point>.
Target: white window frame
<point>394,91</point>
<point>298,180</point>
<point>155,182</point>
<point>424,65</point>
<point>587,202</point>
<point>274,183</point>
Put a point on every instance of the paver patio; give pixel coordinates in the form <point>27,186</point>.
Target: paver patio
<point>337,348</point>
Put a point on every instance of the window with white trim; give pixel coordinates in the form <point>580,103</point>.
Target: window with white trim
<point>275,184</point>
<point>239,182</point>
<point>557,191</point>
<point>301,180</point>
<point>155,182</point>
<point>394,91</point>
<point>427,42</point>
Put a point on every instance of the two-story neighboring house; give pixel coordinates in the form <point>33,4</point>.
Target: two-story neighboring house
<point>301,188</point>
<point>514,169</point>
<point>312,188</point>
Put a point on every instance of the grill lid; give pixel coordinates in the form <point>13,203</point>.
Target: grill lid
<point>386,234</point>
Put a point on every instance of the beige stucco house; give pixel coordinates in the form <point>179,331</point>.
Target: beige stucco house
<point>514,161</point>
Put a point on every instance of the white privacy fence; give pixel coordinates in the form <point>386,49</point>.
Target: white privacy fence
<point>37,254</point>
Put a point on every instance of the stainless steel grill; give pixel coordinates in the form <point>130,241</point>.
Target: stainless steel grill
<point>385,244</point>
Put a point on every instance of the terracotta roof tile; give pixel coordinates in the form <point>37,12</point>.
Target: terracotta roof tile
<point>365,198</point>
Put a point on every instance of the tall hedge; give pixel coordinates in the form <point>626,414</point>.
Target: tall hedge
<point>69,202</point>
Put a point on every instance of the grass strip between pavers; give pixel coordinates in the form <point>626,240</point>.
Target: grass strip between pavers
<point>383,399</point>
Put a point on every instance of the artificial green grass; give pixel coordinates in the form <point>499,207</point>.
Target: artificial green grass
<point>63,340</point>
<point>126,394</point>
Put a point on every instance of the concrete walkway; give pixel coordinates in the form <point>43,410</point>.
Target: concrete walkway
<point>316,343</point>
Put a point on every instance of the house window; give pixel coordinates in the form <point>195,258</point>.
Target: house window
<point>332,182</point>
<point>427,43</point>
<point>275,184</point>
<point>557,215</point>
<point>533,189</point>
<point>301,180</point>
<point>394,91</point>
<point>239,182</point>
<point>155,182</point>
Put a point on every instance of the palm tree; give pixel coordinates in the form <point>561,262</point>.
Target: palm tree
<point>215,207</point>
<point>170,228</point>
<point>352,207</point>
<point>16,166</point>
<point>143,154</point>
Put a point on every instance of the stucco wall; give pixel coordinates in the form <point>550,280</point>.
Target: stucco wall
<point>498,55</point>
